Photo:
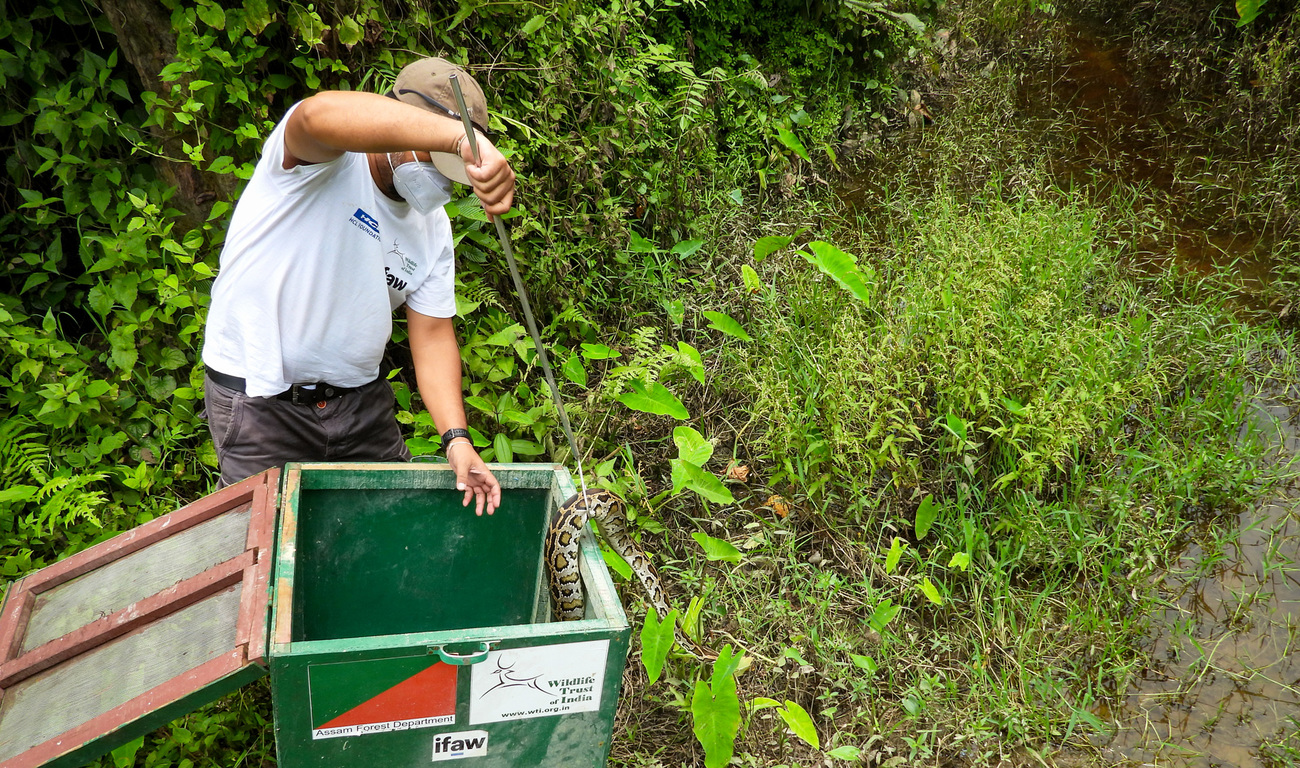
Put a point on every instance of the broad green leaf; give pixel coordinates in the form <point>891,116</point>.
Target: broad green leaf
<point>916,25</point>
<point>884,613</point>
<point>654,399</point>
<point>677,311</point>
<point>841,267</point>
<point>100,300</point>
<point>694,363</point>
<point>958,426</point>
<point>639,244</point>
<point>959,560</point>
<point>532,25</point>
<point>931,591</point>
<point>765,246</point>
<point>926,515</point>
<point>896,548</point>
<point>800,722</point>
<point>599,352</point>
<point>212,15</point>
<point>573,370</point>
<point>1248,10</point>
<point>722,322</point>
<point>725,666</point>
<point>656,641</point>
<point>256,15</point>
<point>736,196</point>
<point>503,448</point>
<point>752,282</point>
<point>846,752</point>
<point>506,336</point>
<point>616,563</point>
<point>687,247</point>
<point>526,447</point>
<point>481,404</point>
<point>100,198</point>
<point>172,358</point>
<point>762,702</point>
<point>687,475</point>
<point>350,31</point>
<point>865,663</point>
<point>1011,405</point>
<point>125,352</point>
<point>464,13</point>
<point>124,756</point>
<point>717,549</point>
<point>17,493</point>
<point>715,714</point>
<point>792,142</point>
<point>691,446</point>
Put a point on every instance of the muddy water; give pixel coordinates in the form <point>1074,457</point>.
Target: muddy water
<point>1224,681</point>
<point>1123,128</point>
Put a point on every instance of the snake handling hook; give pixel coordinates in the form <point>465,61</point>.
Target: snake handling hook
<point>523,294</point>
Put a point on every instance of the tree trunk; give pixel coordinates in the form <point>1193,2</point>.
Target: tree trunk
<point>144,34</point>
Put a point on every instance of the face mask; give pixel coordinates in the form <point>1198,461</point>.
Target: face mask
<point>420,185</point>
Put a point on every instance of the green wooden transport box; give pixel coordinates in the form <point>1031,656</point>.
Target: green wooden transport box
<point>399,629</point>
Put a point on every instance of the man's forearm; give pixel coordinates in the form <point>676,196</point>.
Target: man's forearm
<point>332,122</point>
<point>436,356</point>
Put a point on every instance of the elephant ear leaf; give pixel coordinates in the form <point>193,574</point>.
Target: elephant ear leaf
<point>655,399</point>
<point>842,268</point>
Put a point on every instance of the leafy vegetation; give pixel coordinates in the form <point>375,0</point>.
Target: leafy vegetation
<point>912,470</point>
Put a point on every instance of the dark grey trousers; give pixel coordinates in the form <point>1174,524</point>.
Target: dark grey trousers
<point>252,434</point>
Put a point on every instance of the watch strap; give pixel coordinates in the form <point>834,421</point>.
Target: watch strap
<point>452,434</point>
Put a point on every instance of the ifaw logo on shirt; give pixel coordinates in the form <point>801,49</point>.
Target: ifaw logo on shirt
<point>394,282</point>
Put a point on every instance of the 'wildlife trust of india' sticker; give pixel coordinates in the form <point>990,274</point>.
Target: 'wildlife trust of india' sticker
<point>520,683</point>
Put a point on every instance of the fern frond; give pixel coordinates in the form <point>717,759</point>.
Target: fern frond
<point>23,455</point>
<point>478,291</point>
<point>64,500</point>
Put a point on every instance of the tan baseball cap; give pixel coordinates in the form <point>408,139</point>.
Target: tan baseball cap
<point>427,84</point>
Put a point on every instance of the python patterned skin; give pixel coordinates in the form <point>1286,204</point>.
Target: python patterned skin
<point>562,541</point>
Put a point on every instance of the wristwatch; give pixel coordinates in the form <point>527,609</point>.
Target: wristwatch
<point>452,434</point>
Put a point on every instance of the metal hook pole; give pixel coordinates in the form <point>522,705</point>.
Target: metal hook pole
<point>523,294</point>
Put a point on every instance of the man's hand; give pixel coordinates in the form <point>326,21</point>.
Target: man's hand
<point>473,477</point>
<point>494,179</point>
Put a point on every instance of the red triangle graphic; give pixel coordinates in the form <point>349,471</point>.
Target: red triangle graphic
<point>431,693</point>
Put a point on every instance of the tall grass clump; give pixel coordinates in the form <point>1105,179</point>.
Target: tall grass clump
<point>998,451</point>
<point>988,338</point>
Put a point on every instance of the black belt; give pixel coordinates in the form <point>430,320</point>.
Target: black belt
<point>298,394</point>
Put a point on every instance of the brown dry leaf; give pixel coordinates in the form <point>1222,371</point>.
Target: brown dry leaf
<point>779,505</point>
<point>738,472</point>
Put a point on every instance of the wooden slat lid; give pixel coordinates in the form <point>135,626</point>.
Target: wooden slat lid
<point>97,647</point>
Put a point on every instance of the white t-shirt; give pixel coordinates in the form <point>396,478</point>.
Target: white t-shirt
<point>316,260</point>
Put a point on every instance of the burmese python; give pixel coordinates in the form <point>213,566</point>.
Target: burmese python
<point>562,541</point>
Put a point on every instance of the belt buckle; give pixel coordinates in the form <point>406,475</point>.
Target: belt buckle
<point>294,392</point>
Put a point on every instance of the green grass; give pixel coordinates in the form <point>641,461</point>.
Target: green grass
<point>1127,435</point>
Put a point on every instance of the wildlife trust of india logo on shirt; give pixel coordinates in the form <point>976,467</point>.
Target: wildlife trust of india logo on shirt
<point>366,223</point>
